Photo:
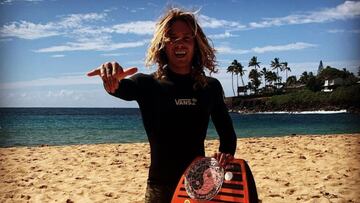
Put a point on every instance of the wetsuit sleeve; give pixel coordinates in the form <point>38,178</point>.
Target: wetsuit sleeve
<point>128,88</point>
<point>222,121</point>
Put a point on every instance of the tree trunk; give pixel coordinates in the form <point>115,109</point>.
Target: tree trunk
<point>232,83</point>
<point>237,84</point>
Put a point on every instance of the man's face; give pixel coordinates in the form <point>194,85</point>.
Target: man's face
<point>180,47</point>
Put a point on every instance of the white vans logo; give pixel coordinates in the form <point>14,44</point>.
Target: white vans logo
<point>186,102</point>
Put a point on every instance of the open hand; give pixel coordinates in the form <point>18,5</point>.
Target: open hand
<point>111,73</point>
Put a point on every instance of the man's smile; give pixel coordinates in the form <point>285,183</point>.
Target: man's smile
<point>180,54</point>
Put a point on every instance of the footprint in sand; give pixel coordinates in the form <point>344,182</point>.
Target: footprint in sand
<point>290,191</point>
<point>275,195</point>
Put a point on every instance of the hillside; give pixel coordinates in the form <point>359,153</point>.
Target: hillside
<point>345,97</point>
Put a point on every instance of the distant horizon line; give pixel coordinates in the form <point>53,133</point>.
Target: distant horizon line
<point>49,107</point>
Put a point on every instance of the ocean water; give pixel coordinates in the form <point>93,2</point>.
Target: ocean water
<point>67,126</point>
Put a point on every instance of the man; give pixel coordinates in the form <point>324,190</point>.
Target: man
<point>176,101</point>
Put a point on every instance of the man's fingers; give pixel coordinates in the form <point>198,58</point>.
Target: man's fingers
<point>94,72</point>
<point>126,72</point>
<point>109,77</point>
<point>115,70</point>
<point>115,85</point>
<point>223,158</point>
<point>230,157</point>
<point>217,156</point>
<point>103,73</point>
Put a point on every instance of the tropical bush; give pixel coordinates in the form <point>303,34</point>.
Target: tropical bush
<point>342,97</point>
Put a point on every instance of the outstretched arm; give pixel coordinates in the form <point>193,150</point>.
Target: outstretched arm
<point>111,74</point>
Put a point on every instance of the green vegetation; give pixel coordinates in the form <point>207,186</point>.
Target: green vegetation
<point>341,98</point>
<point>330,89</point>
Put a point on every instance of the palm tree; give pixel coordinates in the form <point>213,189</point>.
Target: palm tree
<point>291,80</point>
<point>238,69</point>
<point>304,78</point>
<point>254,77</point>
<point>263,73</point>
<point>274,77</point>
<point>275,64</point>
<point>236,72</point>
<point>286,68</point>
<point>241,72</point>
<point>271,77</point>
<point>231,69</point>
<point>253,62</point>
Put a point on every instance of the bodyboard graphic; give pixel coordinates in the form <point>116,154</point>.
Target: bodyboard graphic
<point>237,186</point>
<point>203,179</point>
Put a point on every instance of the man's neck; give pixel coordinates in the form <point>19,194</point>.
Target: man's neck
<point>182,70</point>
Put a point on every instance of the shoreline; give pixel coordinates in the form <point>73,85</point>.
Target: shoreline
<point>291,112</point>
<point>302,168</point>
<point>208,139</point>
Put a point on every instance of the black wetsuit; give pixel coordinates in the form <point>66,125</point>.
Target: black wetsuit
<point>176,118</point>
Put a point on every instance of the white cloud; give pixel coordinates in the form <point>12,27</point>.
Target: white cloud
<point>28,30</point>
<point>269,48</point>
<point>54,81</point>
<point>224,35</point>
<point>135,10</point>
<point>82,29</point>
<point>58,55</point>
<point>334,31</point>
<point>77,20</point>
<point>6,1</point>
<point>127,45</point>
<point>82,25</point>
<point>12,1</point>
<point>286,47</point>
<point>64,97</point>
<point>77,26</point>
<point>229,50</point>
<point>86,34</point>
<point>60,93</point>
<point>137,27</point>
<point>347,10</point>
<point>114,54</point>
<point>209,22</point>
<point>69,26</point>
<point>92,46</point>
<point>41,98</point>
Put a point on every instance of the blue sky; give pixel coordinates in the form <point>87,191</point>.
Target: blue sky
<point>48,46</point>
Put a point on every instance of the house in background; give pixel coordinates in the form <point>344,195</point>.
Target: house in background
<point>242,89</point>
<point>331,84</point>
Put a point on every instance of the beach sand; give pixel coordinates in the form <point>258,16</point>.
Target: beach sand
<point>286,169</point>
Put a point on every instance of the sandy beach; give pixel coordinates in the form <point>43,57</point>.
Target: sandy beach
<point>286,169</point>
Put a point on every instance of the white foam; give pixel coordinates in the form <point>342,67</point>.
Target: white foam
<point>303,112</point>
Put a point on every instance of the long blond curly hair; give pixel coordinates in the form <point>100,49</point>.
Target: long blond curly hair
<point>204,53</point>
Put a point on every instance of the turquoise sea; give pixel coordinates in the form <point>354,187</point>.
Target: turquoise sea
<point>67,126</point>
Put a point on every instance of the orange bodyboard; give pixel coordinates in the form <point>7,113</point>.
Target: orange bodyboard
<point>234,190</point>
